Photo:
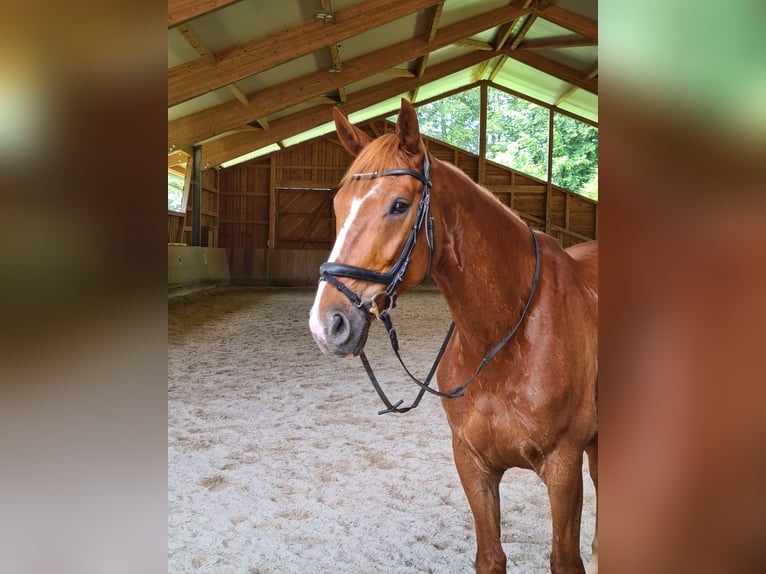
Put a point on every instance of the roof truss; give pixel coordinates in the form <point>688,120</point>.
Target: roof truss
<point>243,124</point>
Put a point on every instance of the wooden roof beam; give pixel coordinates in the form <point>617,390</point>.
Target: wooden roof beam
<point>522,32</point>
<point>553,68</point>
<point>192,79</point>
<point>474,44</point>
<point>180,11</point>
<point>397,73</point>
<point>569,20</point>
<point>229,147</point>
<point>564,95</point>
<point>433,20</point>
<point>218,119</point>
<point>196,42</point>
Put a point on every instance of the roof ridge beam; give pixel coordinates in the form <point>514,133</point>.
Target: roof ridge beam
<point>192,79</point>
<point>218,119</point>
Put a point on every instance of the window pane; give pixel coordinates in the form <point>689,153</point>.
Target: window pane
<point>575,156</point>
<point>517,133</point>
<point>454,120</point>
<point>175,192</point>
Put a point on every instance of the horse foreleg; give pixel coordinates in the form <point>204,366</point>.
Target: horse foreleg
<point>592,450</point>
<point>563,477</point>
<point>482,488</point>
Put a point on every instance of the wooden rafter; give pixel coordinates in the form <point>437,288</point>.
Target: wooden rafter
<point>572,89</point>
<point>569,20</point>
<point>397,73</point>
<point>218,119</point>
<point>474,44</point>
<point>180,11</point>
<point>337,62</point>
<point>478,71</point>
<point>238,93</point>
<point>522,32</point>
<point>195,78</point>
<point>231,146</point>
<point>553,68</point>
<point>503,36</point>
<point>433,20</point>
<point>207,55</point>
<point>196,42</point>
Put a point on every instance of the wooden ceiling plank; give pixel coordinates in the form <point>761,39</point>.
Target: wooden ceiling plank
<point>180,11</point>
<point>553,68</point>
<point>218,119</point>
<point>569,20</point>
<point>229,147</point>
<point>195,78</point>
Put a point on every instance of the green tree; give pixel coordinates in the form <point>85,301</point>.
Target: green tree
<point>517,136</point>
<point>575,155</point>
<point>454,120</point>
<point>517,133</point>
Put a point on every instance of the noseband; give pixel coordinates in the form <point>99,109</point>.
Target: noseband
<point>330,271</point>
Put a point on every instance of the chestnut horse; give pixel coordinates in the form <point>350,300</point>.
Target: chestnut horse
<point>533,403</point>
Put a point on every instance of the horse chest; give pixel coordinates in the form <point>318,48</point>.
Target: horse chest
<point>498,432</point>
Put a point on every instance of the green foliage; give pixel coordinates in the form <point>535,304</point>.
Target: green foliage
<point>575,156</point>
<point>517,136</point>
<point>517,133</point>
<point>454,120</point>
<point>175,192</point>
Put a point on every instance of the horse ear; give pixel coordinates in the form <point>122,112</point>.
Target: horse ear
<point>351,137</point>
<point>407,128</point>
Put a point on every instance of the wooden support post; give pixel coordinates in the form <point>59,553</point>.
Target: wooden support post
<point>482,131</point>
<point>272,202</point>
<point>196,195</point>
<point>272,242</point>
<point>548,188</point>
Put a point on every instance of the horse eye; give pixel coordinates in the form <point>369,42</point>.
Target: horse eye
<point>399,207</point>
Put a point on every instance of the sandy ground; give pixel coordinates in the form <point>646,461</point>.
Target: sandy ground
<point>279,463</point>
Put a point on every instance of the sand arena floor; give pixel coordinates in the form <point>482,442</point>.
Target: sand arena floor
<point>279,463</point>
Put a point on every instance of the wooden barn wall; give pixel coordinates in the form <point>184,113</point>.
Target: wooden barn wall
<point>276,217</point>
<point>179,227</point>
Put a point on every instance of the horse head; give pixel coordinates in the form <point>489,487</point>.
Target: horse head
<point>382,208</point>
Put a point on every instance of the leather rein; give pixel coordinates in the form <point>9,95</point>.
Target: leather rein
<point>330,271</point>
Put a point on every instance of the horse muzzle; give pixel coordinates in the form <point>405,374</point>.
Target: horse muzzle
<point>341,331</point>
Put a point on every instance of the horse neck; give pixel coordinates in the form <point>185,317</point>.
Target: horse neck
<point>485,260</point>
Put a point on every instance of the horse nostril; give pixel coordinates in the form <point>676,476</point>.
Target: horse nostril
<point>340,329</point>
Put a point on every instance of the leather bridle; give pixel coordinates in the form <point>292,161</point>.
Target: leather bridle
<point>330,271</point>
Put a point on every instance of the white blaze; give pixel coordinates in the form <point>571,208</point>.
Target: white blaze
<point>315,324</point>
